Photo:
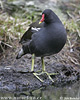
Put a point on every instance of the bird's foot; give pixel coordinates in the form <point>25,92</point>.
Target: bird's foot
<point>44,72</point>
<point>49,75</point>
<point>36,75</point>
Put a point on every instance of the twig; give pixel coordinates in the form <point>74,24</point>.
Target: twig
<point>73,60</point>
<point>7,44</point>
<point>70,15</point>
<point>1,3</point>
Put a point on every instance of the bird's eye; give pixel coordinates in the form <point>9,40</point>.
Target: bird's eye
<point>46,15</point>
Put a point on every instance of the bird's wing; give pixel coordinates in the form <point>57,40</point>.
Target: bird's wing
<point>34,27</point>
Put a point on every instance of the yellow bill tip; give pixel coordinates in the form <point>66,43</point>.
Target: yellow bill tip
<point>40,22</point>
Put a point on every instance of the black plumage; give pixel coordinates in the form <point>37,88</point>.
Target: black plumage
<point>46,38</point>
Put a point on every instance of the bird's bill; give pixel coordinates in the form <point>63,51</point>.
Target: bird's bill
<point>42,19</point>
<point>40,22</point>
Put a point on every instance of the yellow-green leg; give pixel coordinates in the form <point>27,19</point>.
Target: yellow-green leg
<point>32,67</point>
<point>43,64</point>
<point>43,71</point>
<point>43,68</point>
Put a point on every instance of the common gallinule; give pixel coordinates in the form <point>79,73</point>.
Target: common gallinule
<point>43,39</point>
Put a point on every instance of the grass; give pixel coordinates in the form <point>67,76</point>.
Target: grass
<point>12,27</point>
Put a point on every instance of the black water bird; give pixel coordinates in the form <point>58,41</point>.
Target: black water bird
<point>43,38</point>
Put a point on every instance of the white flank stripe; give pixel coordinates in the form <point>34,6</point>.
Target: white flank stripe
<point>35,29</point>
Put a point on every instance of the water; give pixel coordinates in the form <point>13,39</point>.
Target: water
<point>70,92</point>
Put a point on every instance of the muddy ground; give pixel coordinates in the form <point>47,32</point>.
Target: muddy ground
<point>15,74</point>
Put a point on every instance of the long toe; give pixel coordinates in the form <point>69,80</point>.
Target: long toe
<point>37,76</point>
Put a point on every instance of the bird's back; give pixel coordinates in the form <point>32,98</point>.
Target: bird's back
<point>49,40</point>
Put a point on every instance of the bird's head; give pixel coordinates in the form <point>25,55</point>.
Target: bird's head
<point>48,16</point>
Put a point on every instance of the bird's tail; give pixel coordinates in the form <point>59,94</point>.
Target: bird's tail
<point>24,50</point>
<point>20,54</point>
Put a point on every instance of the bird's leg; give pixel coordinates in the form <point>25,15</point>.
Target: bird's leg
<point>43,69</point>
<point>43,64</point>
<point>35,74</point>
<point>32,67</point>
<point>44,72</point>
